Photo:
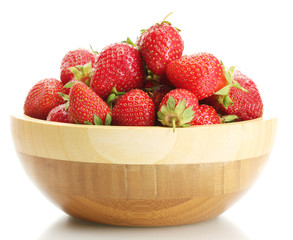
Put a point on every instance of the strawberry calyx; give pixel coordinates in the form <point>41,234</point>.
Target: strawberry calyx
<point>98,120</point>
<point>223,93</point>
<point>82,73</point>
<point>65,97</point>
<point>113,97</point>
<point>161,22</point>
<point>150,76</point>
<point>130,42</point>
<point>228,118</point>
<point>94,51</point>
<point>175,116</point>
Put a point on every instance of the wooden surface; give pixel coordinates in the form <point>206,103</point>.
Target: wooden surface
<point>188,181</point>
<point>143,145</point>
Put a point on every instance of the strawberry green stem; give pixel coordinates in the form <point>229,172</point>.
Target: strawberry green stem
<point>175,116</point>
<point>167,16</point>
<point>174,123</point>
<point>223,93</point>
<point>82,73</point>
<point>113,96</point>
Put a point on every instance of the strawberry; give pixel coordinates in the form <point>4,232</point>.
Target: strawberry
<point>157,92</point>
<point>59,114</point>
<point>119,65</point>
<point>43,97</point>
<point>135,108</point>
<point>75,58</point>
<point>85,106</point>
<point>205,115</point>
<point>245,103</point>
<point>177,108</point>
<point>160,45</point>
<point>201,73</point>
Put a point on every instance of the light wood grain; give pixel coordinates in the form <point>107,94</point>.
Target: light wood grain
<point>143,195</point>
<point>146,176</point>
<point>153,145</point>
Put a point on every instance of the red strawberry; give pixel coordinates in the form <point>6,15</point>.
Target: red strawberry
<point>244,104</point>
<point>160,45</point>
<point>85,106</point>
<point>118,65</point>
<point>177,108</point>
<point>43,97</point>
<point>59,114</point>
<point>205,115</point>
<point>72,59</point>
<point>201,73</point>
<point>134,108</point>
<point>157,92</point>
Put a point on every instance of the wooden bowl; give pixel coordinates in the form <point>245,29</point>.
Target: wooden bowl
<point>143,176</point>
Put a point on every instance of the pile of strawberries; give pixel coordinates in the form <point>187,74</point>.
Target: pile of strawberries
<point>145,84</point>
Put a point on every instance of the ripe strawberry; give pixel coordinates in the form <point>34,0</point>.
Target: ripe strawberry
<point>72,59</point>
<point>58,114</point>
<point>43,97</point>
<point>160,45</point>
<point>205,115</point>
<point>85,106</point>
<point>157,92</point>
<point>135,108</point>
<point>119,65</point>
<point>201,73</point>
<point>177,108</point>
<point>244,104</point>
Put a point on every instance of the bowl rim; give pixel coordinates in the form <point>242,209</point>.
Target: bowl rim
<point>165,143</point>
<point>27,118</point>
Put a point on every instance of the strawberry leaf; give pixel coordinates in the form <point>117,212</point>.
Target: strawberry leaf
<point>164,109</point>
<point>227,101</point>
<point>68,85</point>
<point>66,106</point>
<point>229,118</point>
<point>171,104</point>
<point>187,115</point>
<point>108,119</point>
<point>237,85</point>
<point>223,91</point>
<point>161,116</point>
<point>97,120</point>
<point>180,107</point>
<point>87,123</point>
<point>64,96</point>
<point>128,41</point>
<point>82,73</point>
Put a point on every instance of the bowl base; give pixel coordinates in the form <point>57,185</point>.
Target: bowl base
<point>143,195</point>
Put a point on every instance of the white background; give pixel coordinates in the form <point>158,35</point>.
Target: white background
<point>254,35</point>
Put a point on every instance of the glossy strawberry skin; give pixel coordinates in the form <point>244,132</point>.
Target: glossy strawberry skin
<point>205,115</point>
<point>246,105</point>
<point>160,45</point>
<point>119,65</point>
<point>43,97</point>
<point>201,73</point>
<point>134,108</point>
<point>72,59</point>
<point>84,103</point>
<point>179,95</point>
<point>59,114</point>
